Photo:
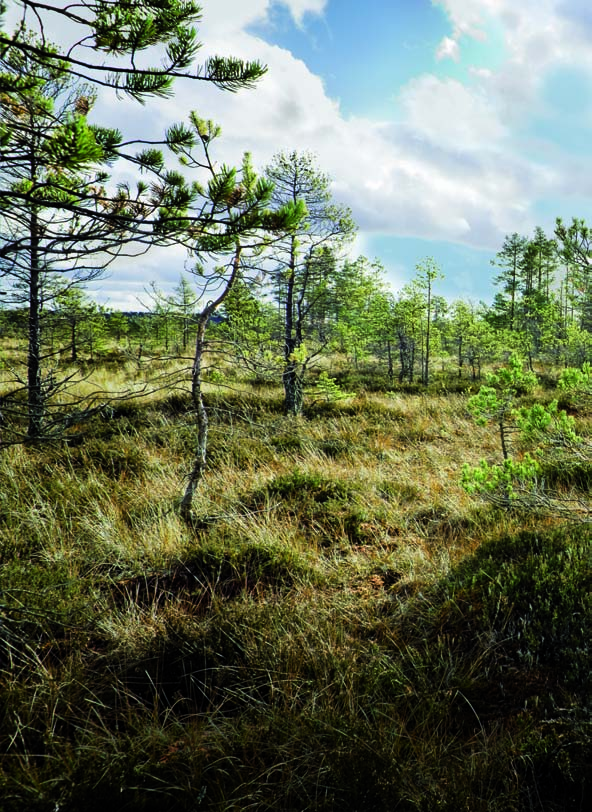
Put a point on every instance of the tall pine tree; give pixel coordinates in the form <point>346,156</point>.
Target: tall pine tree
<point>303,260</point>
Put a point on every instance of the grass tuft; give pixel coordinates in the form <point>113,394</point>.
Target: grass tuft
<point>344,629</point>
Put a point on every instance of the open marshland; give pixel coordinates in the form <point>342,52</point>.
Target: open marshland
<point>342,626</point>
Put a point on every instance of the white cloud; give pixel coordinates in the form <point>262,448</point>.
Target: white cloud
<point>448,49</point>
<point>299,8</point>
<point>447,166</point>
<point>235,15</point>
<point>468,16</point>
<point>231,16</point>
<point>446,112</point>
<point>537,35</point>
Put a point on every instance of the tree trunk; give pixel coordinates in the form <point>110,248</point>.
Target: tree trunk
<point>74,348</point>
<point>293,390</point>
<point>502,431</point>
<point>291,378</point>
<point>426,372</point>
<point>407,357</point>
<point>36,405</point>
<point>199,463</point>
<point>391,368</point>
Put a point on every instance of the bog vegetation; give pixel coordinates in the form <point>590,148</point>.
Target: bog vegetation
<point>286,539</point>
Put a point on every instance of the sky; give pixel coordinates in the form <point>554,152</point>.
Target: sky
<point>445,125</point>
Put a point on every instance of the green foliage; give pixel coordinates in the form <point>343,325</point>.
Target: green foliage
<point>328,390</point>
<point>513,379</point>
<point>531,594</point>
<point>303,486</point>
<point>487,405</point>
<point>151,158</point>
<point>472,337</point>
<point>496,401</point>
<point>547,426</point>
<point>546,430</point>
<point>502,483</point>
<point>537,315</point>
<point>248,326</point>
<point>362,309</point>
<point>122,32</point>
<point>73,145</point>
<point>575,381</point>
<point>305,264</point>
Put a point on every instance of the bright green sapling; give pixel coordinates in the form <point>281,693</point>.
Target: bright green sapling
<point>546,439</point>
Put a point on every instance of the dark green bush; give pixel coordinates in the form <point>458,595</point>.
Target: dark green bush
<point>568,474</point>
<point>287,443</point>
<point>224,566</point>
<point>118,457</point>
<point>529,597</point>
<point>300,486</point>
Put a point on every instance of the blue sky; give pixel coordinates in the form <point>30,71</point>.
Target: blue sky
<point>365,53</point>
<point>360,51</point>
<point>444,124</point>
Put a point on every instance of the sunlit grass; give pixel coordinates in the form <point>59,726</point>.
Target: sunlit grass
<point>327,635</point>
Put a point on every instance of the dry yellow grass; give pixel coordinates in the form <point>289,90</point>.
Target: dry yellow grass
<point>300,647</point>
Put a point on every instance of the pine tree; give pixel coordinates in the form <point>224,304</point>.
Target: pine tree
<point>54,223</point>
<point>540,264</point>
<point>472,336</point>
<point>59,215</point>
<point>427,272</point>
<point>408,314</point>
<point>183,302</point>
<point>242,218</point>
<point>362,318</point>
<point>511,260</point>
<point>73,311</point>
<point>575,248</point>
<point>304,260</point>
<point>535,306</point>
<point>248,329</point>
<point>122,33</point>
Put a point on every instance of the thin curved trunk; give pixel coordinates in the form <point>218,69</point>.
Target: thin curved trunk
<point>200,460</point>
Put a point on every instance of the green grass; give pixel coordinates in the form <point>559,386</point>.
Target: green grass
<point>341,628</point>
